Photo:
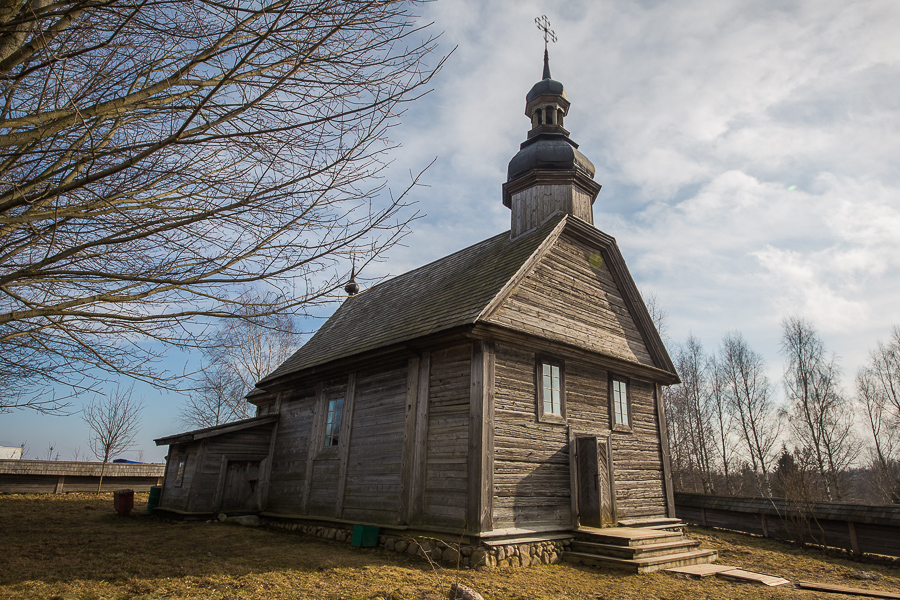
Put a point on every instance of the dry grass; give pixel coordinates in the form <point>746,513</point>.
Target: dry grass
<point>75,546</point>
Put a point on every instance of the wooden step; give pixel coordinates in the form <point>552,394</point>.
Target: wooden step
<point>655,523</point>
<point>626,536</point>
<point>642,551</point>
<point>644,565</point>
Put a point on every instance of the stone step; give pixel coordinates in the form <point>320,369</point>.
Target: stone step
<point>642,551</point>
<point>644,565</point>
<point>626,536</point>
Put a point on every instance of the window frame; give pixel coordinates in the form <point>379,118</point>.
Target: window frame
<point>542,416</point>
<point>331,431</point>
<point>613,425</point>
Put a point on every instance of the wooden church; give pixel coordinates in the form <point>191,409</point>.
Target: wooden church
<point>508,391</point>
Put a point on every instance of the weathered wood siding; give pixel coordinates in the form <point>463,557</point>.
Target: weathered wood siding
<point>446,456</point>
<point>201,487</point>
<point>532,479</point>
<point>322,485</point>
<point>372,489</point>
<point>291,449</point>
<point>531,460</point>
<point>571,297</point>
<point>637,459</point>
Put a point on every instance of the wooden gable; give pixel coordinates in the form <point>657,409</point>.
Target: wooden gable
<point>577,293</point>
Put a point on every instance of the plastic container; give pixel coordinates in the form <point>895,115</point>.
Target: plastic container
<point>123,501</point>
<point>364,536</point>
<point>153,498</point>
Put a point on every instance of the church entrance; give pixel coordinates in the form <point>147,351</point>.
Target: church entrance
<point>596,506</point>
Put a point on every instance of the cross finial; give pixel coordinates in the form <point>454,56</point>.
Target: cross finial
<point>543,23</point>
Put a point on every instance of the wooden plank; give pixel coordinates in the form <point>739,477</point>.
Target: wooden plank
<point>198,466</point>
<point>266,475</point>
<point>409,439</point>
<point>417,487</point>
<point>840,589</point>
<point>476,439</point>
<point>312,445</point>
<point>750,576</point>
<point>487,454</point>
<point>346,432</point>
<point>664,452</point>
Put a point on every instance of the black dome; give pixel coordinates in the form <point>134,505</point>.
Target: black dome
<point>545,87</point>
<point>549,151</point>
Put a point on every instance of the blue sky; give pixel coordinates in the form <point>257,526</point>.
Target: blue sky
<point>748,153</point>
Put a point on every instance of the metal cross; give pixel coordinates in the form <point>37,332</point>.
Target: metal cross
<point>543,23</point>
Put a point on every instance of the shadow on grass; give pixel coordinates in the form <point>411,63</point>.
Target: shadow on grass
<point>81,537</point>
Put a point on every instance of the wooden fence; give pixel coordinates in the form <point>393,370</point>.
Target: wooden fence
<point>855,527</point>
<point>56,477</point>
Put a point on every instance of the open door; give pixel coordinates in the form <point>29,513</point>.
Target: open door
<point>595,499</point>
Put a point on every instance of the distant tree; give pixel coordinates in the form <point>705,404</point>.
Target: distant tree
<point>750,399</point>
<point>722,421</point>
<point>658,314</point>
<point>158,160</point>
<point>878,391</point>
<point>114,421</point>
<point>820,417</point>
<point>248,350</point>
<point>691,416</point>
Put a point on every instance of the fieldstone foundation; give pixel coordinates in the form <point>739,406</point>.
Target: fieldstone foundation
<point>447,553</point>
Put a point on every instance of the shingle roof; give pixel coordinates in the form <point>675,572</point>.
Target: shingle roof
<point>447,293</point>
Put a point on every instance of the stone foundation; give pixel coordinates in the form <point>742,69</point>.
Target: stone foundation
<point>448,554</point>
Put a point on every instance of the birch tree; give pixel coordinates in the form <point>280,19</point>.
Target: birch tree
<point>161,161</point>
<point>878,390</point>
<point>820,416</point>
<point>248,350</point>
<point>750,398</point>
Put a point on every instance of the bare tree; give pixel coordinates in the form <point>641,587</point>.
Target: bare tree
<point>878,390</point>
<point>820,416</point>
<point>158,160</point>
<point>249,350</point>
<point>722,421</point>
<point>658,314</point>
<point>114,421</point>
<point>750,398</point>
<point>692,425</point>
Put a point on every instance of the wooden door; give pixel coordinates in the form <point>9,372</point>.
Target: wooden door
<point>595,505</point>
<point>239,492</point>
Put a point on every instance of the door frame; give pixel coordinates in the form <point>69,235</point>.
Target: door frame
<point>604,441</point>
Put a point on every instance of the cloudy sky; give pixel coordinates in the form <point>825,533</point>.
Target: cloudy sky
<point>748,153</point>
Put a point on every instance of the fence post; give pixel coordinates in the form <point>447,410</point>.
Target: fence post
<point>854,543</point>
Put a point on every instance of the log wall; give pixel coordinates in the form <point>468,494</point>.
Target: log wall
<point>206,463</point>
<point>372,483</point>
<point>531,459</point>
<point>532,473</point>
<point>446,455</point>
<point>572,297</point>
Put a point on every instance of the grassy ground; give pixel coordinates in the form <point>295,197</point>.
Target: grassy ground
<point>75,546</point>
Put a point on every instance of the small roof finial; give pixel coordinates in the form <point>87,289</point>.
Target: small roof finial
<point>543,23</point>
<point>352,288</point>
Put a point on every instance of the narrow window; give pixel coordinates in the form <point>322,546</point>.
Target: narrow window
<point>551,388</point>
<point>619,394</point>
<point>333,422</point>
<point>179,472</point>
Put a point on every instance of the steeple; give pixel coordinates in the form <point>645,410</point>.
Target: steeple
<point>549,174</point>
